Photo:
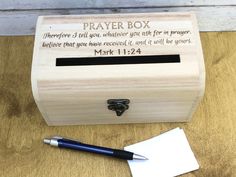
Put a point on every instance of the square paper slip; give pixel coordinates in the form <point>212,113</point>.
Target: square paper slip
<point>169,155</point>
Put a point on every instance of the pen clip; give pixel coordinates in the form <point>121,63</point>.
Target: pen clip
<point>57,137</point>
<point>66,139</point>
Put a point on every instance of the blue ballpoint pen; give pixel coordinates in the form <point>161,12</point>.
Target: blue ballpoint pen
<point>76,145</point>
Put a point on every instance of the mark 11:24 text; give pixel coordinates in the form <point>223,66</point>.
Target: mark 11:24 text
<point>109,52</point>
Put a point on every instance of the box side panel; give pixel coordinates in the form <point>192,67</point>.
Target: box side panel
<point>202,73</point>
<point>35,69</point>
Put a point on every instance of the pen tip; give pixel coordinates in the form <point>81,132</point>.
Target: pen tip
<point>139,157</point>
<point>47,141</point>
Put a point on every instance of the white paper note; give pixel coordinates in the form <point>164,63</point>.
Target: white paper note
<point>169,155</point>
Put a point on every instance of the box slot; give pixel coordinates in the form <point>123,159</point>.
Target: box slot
<point>117,60</point>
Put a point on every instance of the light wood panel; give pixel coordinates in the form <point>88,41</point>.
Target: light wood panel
<point>212,15</point>
<point>62,4</point>
<point>211,133</point>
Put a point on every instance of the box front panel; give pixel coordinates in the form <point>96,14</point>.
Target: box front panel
<point>86,101</point>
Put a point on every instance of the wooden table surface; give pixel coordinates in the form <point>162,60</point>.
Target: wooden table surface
<point>211,133</point>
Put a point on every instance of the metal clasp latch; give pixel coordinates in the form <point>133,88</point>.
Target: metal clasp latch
<point>118,105</point>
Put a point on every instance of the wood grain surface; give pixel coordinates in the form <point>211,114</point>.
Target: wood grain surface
<point>211,133</point>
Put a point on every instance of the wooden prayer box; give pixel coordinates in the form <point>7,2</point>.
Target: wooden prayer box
<point>117,68</point>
